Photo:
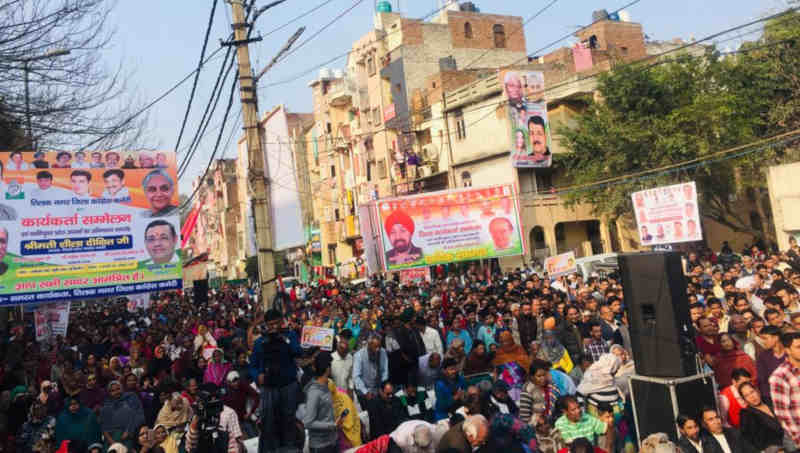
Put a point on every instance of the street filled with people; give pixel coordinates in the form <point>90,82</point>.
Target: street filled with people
<point>473,360</point>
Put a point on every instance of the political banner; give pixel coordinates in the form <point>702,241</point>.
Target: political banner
<point>320,337</point>
<point>667,215</point>
<point>527,111</point>
<point>51,320</point>
<point>414,276</point>
<point>559,265</point>
<point>449,226</point>
<point>87,225</point>
<point>138,302</point>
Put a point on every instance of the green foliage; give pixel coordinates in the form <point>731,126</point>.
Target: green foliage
<point>656,115</point>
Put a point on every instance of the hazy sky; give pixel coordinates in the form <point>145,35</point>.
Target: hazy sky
<point>159,43</point>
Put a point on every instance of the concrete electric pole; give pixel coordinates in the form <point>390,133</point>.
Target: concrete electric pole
<point>257,172</point>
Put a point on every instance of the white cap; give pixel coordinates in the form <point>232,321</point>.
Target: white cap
<point>233,375</point>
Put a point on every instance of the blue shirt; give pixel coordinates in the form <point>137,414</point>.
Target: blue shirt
<point>445,391</point>
<point>486,335</point>
<point>464,335</point>
<point>368,375</point>
<point>280,354</point>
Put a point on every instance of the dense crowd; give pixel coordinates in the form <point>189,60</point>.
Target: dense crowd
<point>474,360</point>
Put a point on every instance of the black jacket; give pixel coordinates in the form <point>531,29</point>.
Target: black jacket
<point>527,330</point>
<point>735,440</point>
<point>759,429</point>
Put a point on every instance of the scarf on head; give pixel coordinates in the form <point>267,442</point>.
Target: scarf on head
<point>477,363</point>
<point>171,418</point>
<point>513,353</point>
<point>599,377</point>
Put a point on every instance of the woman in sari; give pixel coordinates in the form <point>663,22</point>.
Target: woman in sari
<point>120,416</point>
<point>216,370</point>
<point>93,395</point>
<point>77,424</point>
<point>728,359</point>
<point>512,364</point>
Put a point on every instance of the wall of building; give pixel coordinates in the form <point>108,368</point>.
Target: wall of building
<point>784,196</point>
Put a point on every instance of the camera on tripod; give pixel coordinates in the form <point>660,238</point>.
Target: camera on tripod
<point>208,408</point>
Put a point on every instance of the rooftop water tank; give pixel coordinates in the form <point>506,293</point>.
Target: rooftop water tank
<point>384,7</point>
<point>338,73</point>
<point>324,73</point>
<point>469,6</point>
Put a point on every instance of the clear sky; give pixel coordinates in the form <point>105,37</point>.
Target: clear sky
<point>159,42</point>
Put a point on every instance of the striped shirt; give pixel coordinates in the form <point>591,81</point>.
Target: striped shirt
<point>784,386</point>
<point>588,427</point>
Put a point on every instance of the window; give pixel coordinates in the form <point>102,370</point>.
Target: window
<point>376,116</point>
<point>369,170</point>
<point>381,169</point>
<point>468,30</point>
<point>333,171</point>
<point>461,126</point>
<point>755,221</point>
<point>499,36</point>
<point>325,87</point>
<point>332,254</point>
<point>466,179</point>
<point>371,65</point>
<point>328,127</point>
<point>336,214</point>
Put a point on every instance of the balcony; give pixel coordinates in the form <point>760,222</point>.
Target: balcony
<point>342,92</point>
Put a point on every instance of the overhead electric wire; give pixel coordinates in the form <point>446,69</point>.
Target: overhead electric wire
<point>324,27</point>
<point>520,29</point>
<point>213,101</point>
<point>216,145</point>
<point>291,21</point>
<point>197,74</point>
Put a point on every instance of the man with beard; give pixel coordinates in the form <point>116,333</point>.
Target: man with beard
<point>690,441</point>
<point>386,412</point>
<point>527,326</point>
<point>400,228</point>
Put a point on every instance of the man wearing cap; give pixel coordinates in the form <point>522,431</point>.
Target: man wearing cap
<point>400,230</point>
<point>239,392</point>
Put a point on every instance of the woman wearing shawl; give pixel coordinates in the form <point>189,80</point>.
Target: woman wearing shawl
<point>120,415</point>
<point>456,352</point>
<point>512,363</point>
<point>50,398</point>
<point>93,395</point>
<point>78,424</point>
<point>160,365</point>
<point>598,386</point>
<point>176,412</point>
<point>115,370</point>
<point>37,433</point>
<point>137,361</point>
<point>538,399</point>
<point>551,350</point>
<point>216,370</point>
<point>478,361</point>
<point>204,342</point>
<point>728,359</point>
<point>146,441</point>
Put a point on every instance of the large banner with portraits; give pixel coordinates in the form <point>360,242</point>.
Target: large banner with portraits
<point>527,111</point>
<point>667,215</point>
<point>450,226</point>
<point>85,225</point>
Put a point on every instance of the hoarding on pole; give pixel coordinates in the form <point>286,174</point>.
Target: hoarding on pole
<point>527,112</point>
<point>449,226</point>
<point>667,215</point>
<point>86,225</point>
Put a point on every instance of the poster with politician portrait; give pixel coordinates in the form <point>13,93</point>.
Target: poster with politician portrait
<point>527,111</point>
<point>667,215</point>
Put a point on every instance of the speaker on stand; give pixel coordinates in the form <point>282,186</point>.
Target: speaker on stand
<point>667,375</point>
<point>200,292</point>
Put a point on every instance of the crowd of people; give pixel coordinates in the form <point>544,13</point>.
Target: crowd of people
<point>470,361</point>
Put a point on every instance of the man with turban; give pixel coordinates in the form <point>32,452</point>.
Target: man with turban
<point>400,228</point>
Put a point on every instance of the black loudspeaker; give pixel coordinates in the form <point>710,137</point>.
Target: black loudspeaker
<point>662,336</point>
<point>200,292</point>
<point>671,396</point>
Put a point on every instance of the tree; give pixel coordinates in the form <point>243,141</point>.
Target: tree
<point>74,99</point>
<point>656,115</point>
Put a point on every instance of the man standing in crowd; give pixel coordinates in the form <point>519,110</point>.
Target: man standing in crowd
<point>784,384</point>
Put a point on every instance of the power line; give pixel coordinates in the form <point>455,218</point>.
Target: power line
<point>291,21</point>
<point>345,54</point>
<point>216,145</point>
<point>521,28</point>
<point>324,27</point>
<point>197,74</point>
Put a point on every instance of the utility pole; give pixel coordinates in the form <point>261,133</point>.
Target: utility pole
<point>257,172</point>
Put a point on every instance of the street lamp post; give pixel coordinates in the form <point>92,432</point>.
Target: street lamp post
<point>26,68</point>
